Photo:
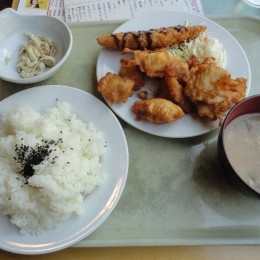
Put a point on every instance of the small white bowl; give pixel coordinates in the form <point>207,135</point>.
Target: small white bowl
<point>14,27</point>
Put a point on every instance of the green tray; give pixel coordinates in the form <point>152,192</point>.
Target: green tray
<point>176,193</point>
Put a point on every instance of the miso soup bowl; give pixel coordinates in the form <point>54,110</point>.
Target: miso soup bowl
<point>249,105</point>
<point>13,29</point>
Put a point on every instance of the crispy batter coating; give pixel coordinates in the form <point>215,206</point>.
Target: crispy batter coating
<point>115,88</point>
<point>150,39</point>
<point>194,61</point>
<point>130,70</point>
<point>143,94</point>
<point>178,69</point>
<point>157,110</point>
<point>153,63</point>
<point>172,90</point>
<point>213,90</point>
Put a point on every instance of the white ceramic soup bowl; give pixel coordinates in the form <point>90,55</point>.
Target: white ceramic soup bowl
<point>228,158</point>
<point>13,30</point>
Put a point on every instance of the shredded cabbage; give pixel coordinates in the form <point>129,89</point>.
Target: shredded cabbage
<point>201,47</point>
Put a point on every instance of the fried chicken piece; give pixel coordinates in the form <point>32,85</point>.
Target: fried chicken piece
<point>206,110</point>
<point>178,69</point>
<point>130,70</point>
<point>143,94</point>
<point>172,90</point>
<point>150,39</point>
<point>153,63</point>
<point>157,110</point>
<point>115,88</point>
<point>193,61</point>
<point>213,90</point>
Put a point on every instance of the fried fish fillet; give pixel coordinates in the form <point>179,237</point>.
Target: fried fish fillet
<point>213,90</point>
<point>157,110</point>
<point>115,88</point>
<point>151,39</point>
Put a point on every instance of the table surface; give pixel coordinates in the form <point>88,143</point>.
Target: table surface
<point>211,7</point>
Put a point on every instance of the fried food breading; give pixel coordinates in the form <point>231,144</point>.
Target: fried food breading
<point>206,110</point>
<point>213,90</point>
<point>194,61</point>
<point>153,63</point>
<point>172,90</point>
<point>143,94</point>
<point>178,70</point>
<point>115,88</point>
<point>150,39</point>
<point>157,110</point>
<point>130,70</point>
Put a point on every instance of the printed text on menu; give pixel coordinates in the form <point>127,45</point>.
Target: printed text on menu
<point>101,10</point>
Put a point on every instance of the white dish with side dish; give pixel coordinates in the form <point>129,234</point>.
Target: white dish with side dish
<point>190,125</point>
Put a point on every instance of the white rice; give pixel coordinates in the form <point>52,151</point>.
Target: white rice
<point>60,182</point>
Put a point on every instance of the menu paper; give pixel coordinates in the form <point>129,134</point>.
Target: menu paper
<point>104,10</point>
<point>42,7</point>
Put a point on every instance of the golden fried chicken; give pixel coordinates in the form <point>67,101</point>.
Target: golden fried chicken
<point>194,61</point>
<point>115,88</point>
<point>153,63</point>
<point>130,70</point>
<point>150,39</point>
<point>213,90</point>
<point>206,110</point>
<point>143,94</point>
<point>172,90</point>
<point>157,110</point>
<point>178,69</point>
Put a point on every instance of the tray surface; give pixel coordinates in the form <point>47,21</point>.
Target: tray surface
<point>176,193</point>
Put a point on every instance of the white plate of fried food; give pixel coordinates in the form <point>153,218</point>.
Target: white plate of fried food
<point>48,211</point>
<point>157,73</point>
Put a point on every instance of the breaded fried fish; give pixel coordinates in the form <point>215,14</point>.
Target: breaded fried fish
<point>115,88</point>
<point>151,39</point>
<point>157,110</point>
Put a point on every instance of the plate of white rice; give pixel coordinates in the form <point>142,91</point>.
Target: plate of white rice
<point>63,168</point>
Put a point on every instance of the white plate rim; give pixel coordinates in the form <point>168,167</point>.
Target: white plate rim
<point>149,21</point>
<point>49,94</point>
